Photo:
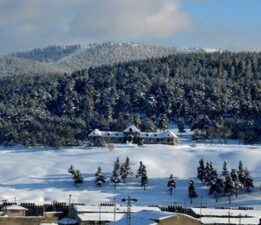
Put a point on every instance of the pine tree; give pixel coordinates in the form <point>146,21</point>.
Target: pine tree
<point>241,174</point>
<point>210,173</point>
<point>71,170</point>
<point>201,171</point>
<point>216,187</point>
<point>125,170</point>
<point>139,171</point>
<point>78,179</point>
<point>234,176</point>
<point>144,177</point>
<point>229,187</point>
<point>191,191</point>
<point>225,170</point>
<point>181,126</point>
<point>99,178</point>
<point>171,183</point>
<point>248,181</point>
<point>116,178</point>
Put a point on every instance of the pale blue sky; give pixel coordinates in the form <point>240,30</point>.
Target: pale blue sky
<point>227,24</point>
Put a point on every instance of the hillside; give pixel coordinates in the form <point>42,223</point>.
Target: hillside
<point>48,54</point>
<point>111,53</point>
<point>67,59</point>
<point>219,94</point>
<point>14,66</point>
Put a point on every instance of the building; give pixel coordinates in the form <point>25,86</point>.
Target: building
<point>132,135</point>
<point>14,211</point>
<point>158,218</point>
<point>210,216</point>
<point>92,215</point>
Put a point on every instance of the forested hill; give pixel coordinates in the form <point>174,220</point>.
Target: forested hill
<point>205,90</point>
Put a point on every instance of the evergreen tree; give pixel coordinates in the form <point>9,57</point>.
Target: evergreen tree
<point>71,170</point>
<point>78,179</point>
<point>201,171</point>
<point>225,170</point>
<point>234,176</point>
<point>144,177</point>
<point>191,191</point>
<point>241,174</point>
<point>181,126</point>
<point>171,183</point>
<point>229,187</point>
<point>125,170</point>
<point>248,181</point>
<point>139,171</point>
<point>216,187</point>
<point>99,178</point>
<point>116,177</point>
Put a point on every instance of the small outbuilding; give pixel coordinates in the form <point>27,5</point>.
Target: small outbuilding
<point>14,211</point>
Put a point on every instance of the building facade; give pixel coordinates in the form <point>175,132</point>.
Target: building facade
<point>132,135</point>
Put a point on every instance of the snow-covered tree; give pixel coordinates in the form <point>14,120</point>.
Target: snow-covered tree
<point>125,170</point>
<point>216,187</point>
<point>139,171</point>
<point>99,178</point>
<point>225,170</point>
<point>144,177</point>
<point>241,174</point>
<point>116,177</point>
<point>248,181</point>
<point>71,170</point>
<point>78,179</point>
<point>229,187</point>
<point>201,171</point>
<point>192,191</point>
<point>234,176</point>
<point>171,183</point>
<point>181,126</point>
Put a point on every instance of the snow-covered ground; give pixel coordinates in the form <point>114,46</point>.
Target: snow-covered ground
<point>40,175</point>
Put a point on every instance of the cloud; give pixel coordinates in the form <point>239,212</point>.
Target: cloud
<point>31,23</point>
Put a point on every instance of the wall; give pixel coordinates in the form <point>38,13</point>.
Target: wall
<point>24,220</point>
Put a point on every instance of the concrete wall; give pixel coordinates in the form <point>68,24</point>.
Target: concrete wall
<point>179,219</point>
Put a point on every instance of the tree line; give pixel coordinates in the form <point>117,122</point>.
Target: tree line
<point>209,92</point>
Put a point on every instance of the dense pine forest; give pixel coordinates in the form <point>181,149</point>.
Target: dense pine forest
<point>214,94</point>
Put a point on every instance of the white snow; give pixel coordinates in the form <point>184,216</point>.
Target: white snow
<point>15,207</point>
<point>40,175</point>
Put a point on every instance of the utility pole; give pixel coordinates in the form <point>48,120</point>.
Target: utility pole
<point>69,207</point>
<point>128,201</point>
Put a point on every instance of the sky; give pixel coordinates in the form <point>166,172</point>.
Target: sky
<point>226,24</point>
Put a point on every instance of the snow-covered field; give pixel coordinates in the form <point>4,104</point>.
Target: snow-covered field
<point>40,175</point>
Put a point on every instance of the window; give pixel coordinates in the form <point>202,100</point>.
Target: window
<point>108,134</point>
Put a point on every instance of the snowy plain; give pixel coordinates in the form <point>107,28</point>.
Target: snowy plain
<point>41,175</point>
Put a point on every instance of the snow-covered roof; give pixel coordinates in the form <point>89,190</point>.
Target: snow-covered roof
<point>67,221</point>
<point>220,220</point>
<point>100,216</point>
<point>146,217</point>
<point>161,134</point>
<point>210,212</point>
<point>98,133</point>
<point>48,223</point>
<point>110,209</point>
<point>131,128</point>
<point>15,207</point>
